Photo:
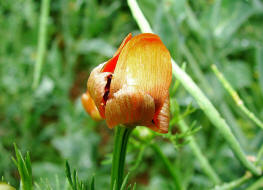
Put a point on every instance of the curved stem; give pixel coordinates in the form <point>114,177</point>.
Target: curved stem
<point>121,138</point>
<point>168,165</point>
<point>236,97</point>
<point>257,185</point>
<point>199,96</point>
<point>234,184</point>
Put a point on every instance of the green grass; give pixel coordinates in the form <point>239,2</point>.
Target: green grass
<point>50,123</point>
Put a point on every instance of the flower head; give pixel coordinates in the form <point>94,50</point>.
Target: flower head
<point>132,88</point>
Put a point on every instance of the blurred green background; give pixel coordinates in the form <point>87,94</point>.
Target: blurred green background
<point>49,121</point>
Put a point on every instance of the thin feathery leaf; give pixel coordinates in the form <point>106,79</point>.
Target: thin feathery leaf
<point>92,183</point>
<point>125,181</point>
<point>24,169</point>
<point>134,186</point>
<point>68,174</point>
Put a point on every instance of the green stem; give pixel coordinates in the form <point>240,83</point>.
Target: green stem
<point>257,185</point>
<point>213,116</point>
<point>169,166</point>
<point>236,97</point>
<point>235,183</point>
<point>42,35</point>
<point>198,153</point>
<point>121,138</point>
<point>260,154</point>
<point>199,96</point>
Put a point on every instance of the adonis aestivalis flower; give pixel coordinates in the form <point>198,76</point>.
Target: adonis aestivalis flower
<point>132,88</point>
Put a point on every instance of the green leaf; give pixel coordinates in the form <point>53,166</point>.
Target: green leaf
<point>125,181</point>
<point>115,185</point>
<point>68,174</point>
<point>92,183</point>
<point>24,169</point>
<point>134,186</point>
<point>74,181</point>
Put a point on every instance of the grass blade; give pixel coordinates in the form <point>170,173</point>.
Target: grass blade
<point>92,183</point>
<point>24,169</point>
<point>42,35</point>
<point>125,181</point>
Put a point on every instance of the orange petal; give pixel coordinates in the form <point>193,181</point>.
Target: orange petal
<point>145,64</point>
<point>97,87</point>
<point>130,107</point>
<point>161,118</point>
<point>111,64</point>
<point>90,106</point>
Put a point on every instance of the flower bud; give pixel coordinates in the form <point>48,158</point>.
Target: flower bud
<point>132,88</point>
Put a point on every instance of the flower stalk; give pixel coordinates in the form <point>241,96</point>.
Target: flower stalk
<point>236,97</point>
<point>234,184</point>
<point>199,96</point>
<point>121,138</point>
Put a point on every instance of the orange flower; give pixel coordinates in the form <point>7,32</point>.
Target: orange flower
<point>132,88</point>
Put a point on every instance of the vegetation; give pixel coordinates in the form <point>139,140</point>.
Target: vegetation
<point>47,51</point>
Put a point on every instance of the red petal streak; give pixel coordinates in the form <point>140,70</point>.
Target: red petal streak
<point>111,64</point>
<point>161,118</point>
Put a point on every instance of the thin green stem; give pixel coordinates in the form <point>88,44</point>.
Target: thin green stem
<point>168,165</point>
<point>214,116</point>
<point>257,185</point>
<point>42,36</point>
<point>235,183</point>
<point>200,76</point>
<point>236,97</point>
<point>139,17</point>
<point>199,96</point>
<point>121,138</point>
<point>260,154</point>
<point>198,153</point>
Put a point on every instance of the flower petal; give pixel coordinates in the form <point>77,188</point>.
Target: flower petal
<point>111,64</point>
<point>145,64</point>
<point>129,106</point>
<point>90,106</point>
<point>161,118</point>
<point>97,87</point>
